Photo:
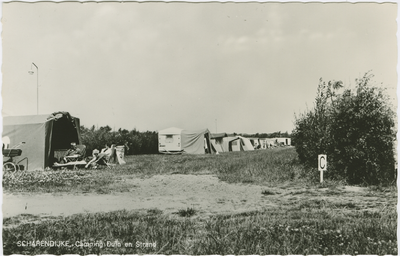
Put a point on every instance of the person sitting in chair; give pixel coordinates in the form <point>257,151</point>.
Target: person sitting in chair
<point>92,161</point>
<point>103,156</point>
<point>72,153</point>
<point>105,152</point>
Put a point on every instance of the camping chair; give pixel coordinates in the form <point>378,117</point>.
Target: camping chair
<point>104,159</point>
<point>72,161</point>
<point>76,157</point>
<point>97,162</point>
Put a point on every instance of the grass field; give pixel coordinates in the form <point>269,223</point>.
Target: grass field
<point>258,167</point>
<point>307,217</point>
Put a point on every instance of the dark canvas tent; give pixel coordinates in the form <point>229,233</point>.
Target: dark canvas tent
<point>217,140</point>
<point>175,140</point>
<point>42,134</point>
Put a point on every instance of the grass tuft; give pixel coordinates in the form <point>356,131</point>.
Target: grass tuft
<point>267,192</point>
<point>189,212</point>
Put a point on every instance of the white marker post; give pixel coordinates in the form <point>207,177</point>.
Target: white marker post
<point>322,164</point>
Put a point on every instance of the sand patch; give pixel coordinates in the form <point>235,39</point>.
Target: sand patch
<point>205,193</point>
<point>354,189</point>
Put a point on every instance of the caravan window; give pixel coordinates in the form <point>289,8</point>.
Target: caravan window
<point>169,139</point>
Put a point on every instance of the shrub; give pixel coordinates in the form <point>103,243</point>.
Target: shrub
<point>354,128</point>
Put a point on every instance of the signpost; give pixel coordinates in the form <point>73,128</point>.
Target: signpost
<point>322,164</point>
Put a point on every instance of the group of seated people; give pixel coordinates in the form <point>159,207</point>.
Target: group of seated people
<point>105,156</point>
<point>77,153</point>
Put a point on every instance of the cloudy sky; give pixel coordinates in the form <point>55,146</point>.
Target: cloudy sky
<point>232,67</point>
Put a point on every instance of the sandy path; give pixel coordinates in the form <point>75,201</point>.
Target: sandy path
<point>166,192</point>
<point>206,193</point>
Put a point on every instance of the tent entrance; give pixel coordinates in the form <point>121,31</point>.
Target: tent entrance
<point>62,133</point>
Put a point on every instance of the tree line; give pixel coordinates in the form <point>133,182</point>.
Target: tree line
<point>268,135</point>
<point>136,142</point>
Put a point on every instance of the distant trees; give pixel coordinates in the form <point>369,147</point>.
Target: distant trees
<point>138,142</point>
<point>354,128</point>
<point>269,135</point>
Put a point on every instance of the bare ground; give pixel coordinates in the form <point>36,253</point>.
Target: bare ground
<point>206,193</point>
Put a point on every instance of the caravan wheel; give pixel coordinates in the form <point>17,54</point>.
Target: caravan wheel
<point>9,167</point>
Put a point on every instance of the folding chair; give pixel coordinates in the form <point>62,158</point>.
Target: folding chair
<point>77,157</point>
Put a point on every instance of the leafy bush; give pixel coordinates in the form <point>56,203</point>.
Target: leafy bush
<point>354,128</point>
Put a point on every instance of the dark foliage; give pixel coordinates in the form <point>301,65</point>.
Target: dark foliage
<point>268,135</point>
<point>137,142</point>
<point>354,128</point>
